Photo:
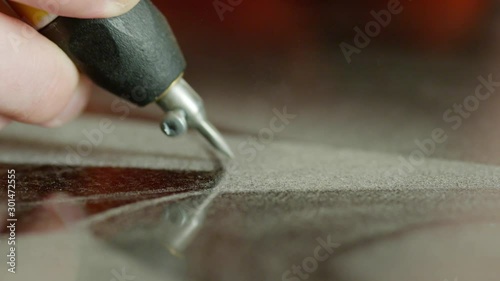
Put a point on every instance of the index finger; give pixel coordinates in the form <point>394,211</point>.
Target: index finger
<point>77,8</point>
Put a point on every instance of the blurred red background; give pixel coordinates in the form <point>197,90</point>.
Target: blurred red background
<point>425,24</point>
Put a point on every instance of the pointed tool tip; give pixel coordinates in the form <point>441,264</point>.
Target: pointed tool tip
<point>221,145</point>
<point>227,151</point>
<point>215,138</point>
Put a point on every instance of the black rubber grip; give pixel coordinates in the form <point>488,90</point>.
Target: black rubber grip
<point>134,56</point>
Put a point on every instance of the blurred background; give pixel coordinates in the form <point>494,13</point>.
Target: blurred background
<point>246,58</point>
<point>281,26</point>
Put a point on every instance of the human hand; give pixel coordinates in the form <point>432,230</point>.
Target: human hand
<point>38,83</point>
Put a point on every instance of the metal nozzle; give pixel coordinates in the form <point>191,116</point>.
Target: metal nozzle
<point>184,109</point>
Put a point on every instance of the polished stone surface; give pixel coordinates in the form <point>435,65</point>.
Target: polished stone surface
<point>163,209</point>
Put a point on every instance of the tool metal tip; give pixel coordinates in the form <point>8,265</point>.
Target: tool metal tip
<point>215,138</point>
<point>185,110</point>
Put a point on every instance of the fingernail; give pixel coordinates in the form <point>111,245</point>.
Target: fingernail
<point>118,7</point>
<point>37,18</point>
<point>75,106</point>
